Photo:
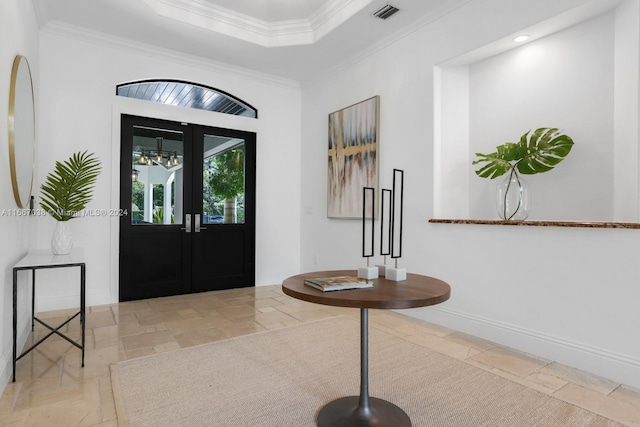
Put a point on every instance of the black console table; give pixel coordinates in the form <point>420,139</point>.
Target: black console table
<point>45,259</point>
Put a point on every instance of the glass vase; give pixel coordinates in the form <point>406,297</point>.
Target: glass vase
<point>513,197</point>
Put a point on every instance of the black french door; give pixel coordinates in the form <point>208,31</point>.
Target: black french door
<point>189,196</point>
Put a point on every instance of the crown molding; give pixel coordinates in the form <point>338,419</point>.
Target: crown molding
<point>40,13</point>
<point>65,30</point>
<point>295,32</point>
<point>333,13</point>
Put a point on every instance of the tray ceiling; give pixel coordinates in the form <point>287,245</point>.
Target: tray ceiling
<point>293,39</point>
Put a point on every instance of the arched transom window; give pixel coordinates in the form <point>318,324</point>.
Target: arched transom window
<point>185,94</point>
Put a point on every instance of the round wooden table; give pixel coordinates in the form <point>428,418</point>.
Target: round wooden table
<point>416,291</point>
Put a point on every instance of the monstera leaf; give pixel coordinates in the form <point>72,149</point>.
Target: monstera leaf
<point>538,151</point>
<point>69,188</point>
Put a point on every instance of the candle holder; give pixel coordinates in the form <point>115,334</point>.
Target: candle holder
<point>385,231</point>
<point>368,272</point>
<point>394,273</point>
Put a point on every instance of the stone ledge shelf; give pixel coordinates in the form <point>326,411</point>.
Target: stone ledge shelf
<point>629,225</point>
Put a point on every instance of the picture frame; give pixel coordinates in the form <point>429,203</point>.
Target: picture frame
<point>353,157</point>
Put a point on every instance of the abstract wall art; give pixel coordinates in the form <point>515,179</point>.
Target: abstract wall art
<point>353,157</point>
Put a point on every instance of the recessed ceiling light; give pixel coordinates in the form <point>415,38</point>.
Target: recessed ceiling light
<point>521,38</point>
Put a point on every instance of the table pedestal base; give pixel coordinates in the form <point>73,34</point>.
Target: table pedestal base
<point>346,412</point>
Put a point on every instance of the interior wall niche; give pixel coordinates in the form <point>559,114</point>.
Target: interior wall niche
<point>579,72</point>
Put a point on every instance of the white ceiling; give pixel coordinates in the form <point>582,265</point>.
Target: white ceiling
<point>295,39</point>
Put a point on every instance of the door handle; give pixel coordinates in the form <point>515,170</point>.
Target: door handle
<point>197,226</point>
<point>187,223</point>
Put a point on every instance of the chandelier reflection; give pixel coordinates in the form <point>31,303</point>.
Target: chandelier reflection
<point>159,156</point>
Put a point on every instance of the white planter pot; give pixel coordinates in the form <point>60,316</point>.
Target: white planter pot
<point>61,242</point>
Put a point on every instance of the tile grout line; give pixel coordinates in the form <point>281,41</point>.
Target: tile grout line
<point>98,383</point>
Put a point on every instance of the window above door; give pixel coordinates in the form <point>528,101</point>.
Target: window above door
<point>185,94</point>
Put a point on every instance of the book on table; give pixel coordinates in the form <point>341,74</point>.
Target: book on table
<point>338,283</point>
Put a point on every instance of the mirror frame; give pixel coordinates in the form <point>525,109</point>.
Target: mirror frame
<point>20,63</point>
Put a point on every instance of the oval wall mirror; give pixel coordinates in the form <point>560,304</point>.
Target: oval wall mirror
<point>22,131</point>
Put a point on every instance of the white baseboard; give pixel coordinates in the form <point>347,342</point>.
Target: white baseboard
<point>621,368</point>
<point>63,302</point>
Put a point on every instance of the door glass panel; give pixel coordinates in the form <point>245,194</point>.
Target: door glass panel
<point>157,184</point>
<point>223,170</point>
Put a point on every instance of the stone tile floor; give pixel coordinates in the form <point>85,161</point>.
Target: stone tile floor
<point>53,390</point>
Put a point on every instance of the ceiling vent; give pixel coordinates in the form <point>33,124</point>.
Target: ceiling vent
<point>386,12</point>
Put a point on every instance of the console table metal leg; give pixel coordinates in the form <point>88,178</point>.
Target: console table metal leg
<point>362,410</point>
<point>33,297</point>
<point>82,307</point>
<point>15,320</point>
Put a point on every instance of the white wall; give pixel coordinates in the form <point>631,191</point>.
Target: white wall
<point>79,111</point>
<point>451,142</point>
<point>568,294</point>
<point>18,36</point>
<point>627,112</point>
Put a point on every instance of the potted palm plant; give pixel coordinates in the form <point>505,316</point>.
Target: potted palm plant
<point>66,192</point>
<point>536,152</point>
